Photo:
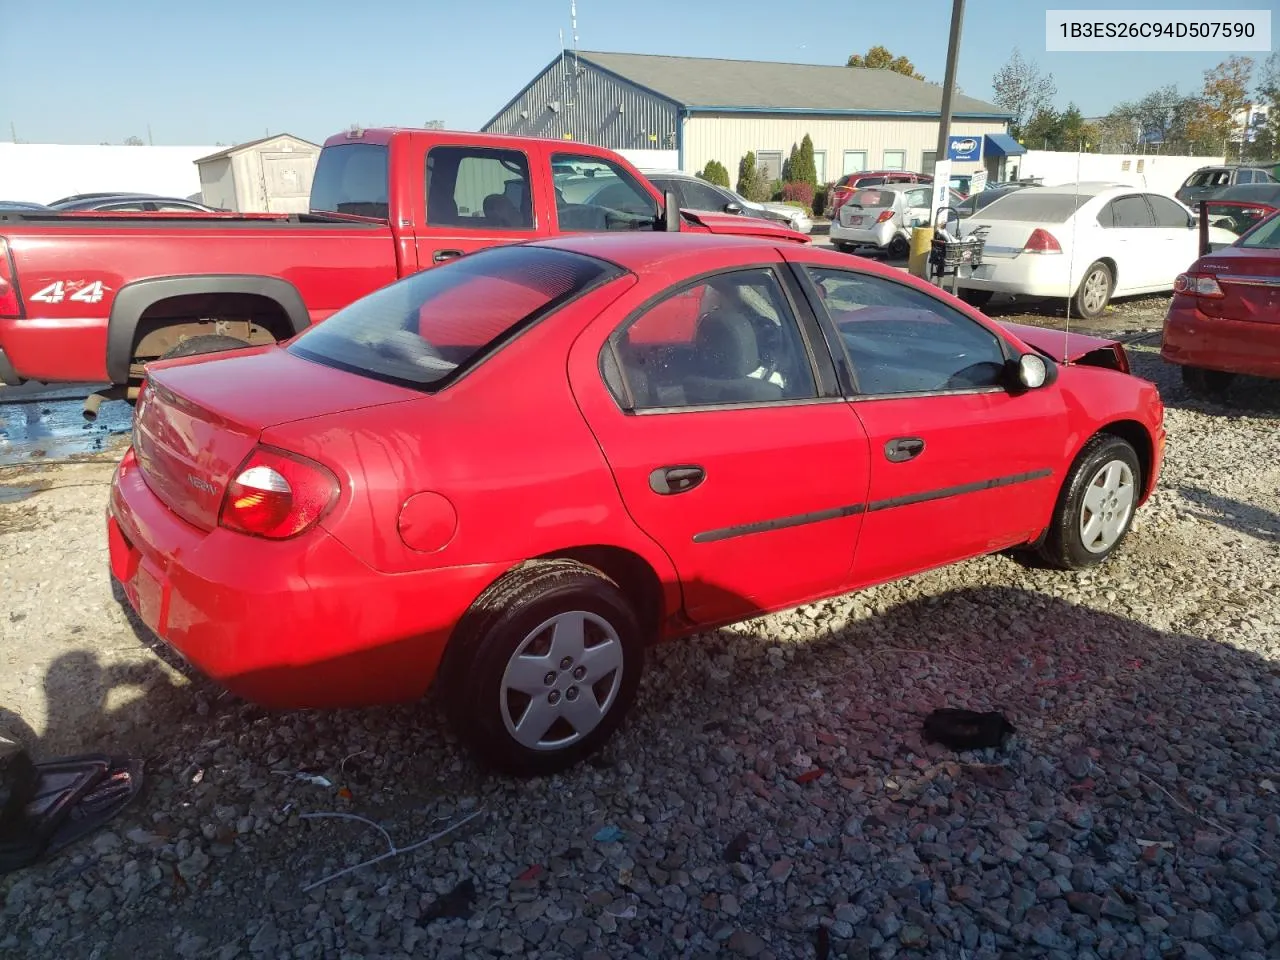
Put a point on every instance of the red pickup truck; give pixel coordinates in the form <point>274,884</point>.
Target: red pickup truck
<point>91,297</point>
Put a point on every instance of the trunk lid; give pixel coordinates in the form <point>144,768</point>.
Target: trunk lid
<point>200,417</point>
<point>732,224</point>
<point>1250,281</point>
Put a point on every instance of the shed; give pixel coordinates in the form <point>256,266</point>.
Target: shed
<point>269,175</point>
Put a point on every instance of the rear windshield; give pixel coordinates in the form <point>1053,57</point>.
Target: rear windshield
<point>427,329</point>
<point>351,178</point>
<point>872,198</point>
<point>1209,178</point>
<point>1034,206</point>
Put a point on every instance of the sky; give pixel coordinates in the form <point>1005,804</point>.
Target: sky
<point>88,71</point>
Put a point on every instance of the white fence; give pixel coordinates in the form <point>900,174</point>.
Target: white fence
<point>1162,174</point>
<point>44,172</point>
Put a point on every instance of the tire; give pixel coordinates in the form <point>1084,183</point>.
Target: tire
<point>209,343</point>
<point>976,298</point>
<point>1105,458</point>
<point>1094,292</point>
<point>899,248</point>
<point>1206,384</point>
<point>841,246</point>
<point>519,613</point>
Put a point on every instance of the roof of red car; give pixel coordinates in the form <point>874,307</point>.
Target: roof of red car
<point>638,250</point>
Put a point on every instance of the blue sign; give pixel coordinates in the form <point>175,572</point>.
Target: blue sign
<point>964,149</point>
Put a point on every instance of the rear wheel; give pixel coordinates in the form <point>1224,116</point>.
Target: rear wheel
<point>1094,293</point>
<point>541,671</point>
<point>1096,505</point>
<point>1206,384</point>
<point>211,343</point>
<point>841,246</point>
<point>976,298</point>
<point>899,248</point>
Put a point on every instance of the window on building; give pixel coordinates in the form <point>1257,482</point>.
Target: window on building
<point>770,161</point>
<point>854,161</point>
<point>820,165</point>
<point>928,161</point>
<point>895,159</point>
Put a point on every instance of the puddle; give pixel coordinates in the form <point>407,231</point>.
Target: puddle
<point>50,423</point>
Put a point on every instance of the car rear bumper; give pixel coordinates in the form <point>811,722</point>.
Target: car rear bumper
<point>1028,274</point>
<point>1193,339</point>
<point>285,624</point>
<point>877,235</point>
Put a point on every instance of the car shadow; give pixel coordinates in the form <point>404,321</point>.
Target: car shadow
<point>1126,735</point>
<point>1256,522</point>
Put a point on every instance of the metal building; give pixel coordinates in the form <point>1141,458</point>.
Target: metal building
<point>693,110</point>
<point>270,175</point>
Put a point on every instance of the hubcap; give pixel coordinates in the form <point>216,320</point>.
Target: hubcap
<point>1108,503</point>
<point>1095,291</point>
<point>561,681</point>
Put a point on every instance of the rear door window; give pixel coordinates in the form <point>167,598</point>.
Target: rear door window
<point>351,179</point>
<point>478,189</point>
<point>1131,212</point>
<point>427,329</point>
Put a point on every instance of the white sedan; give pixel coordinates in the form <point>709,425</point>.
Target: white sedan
<point>1085,242</point>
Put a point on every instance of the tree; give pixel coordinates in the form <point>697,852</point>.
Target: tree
<point>1268,93</point>
<point>789,165</point>
<point>714,172</point>
<point>879,58</point>
<point>133,142</point>
<point>806,169</point>
<point>1225,95</point>
<point>753,182</point>
<point>1023,90</point>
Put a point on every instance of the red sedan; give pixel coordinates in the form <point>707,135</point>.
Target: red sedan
<point>1224,318</point>
<point>510,473</point>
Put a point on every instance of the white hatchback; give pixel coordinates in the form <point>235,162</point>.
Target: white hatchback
<point>882,217</point>
<point>1085,242</point>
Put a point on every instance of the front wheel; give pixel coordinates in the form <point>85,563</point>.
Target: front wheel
<point>1206,384</point>
<point>542,670</point>
<point>1095,508</point>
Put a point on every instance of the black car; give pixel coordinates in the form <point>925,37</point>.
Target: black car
<point>129,203</point>
<point>1209,181</point>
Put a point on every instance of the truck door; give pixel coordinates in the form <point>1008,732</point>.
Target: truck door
<point>475,197</point>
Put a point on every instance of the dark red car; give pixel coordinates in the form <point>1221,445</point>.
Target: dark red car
<point>851,183</point>
<point>511,473</point>
<point>1224,318</point>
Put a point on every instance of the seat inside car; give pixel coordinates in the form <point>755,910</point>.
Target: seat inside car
<point>728,353</point>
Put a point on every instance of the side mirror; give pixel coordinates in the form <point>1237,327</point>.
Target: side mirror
<point>670,219</point>
<point>1033,371</point>
<point>733,206</point>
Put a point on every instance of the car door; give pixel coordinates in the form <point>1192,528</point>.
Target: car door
<point>475,197</point>
<point>917,201</point>
<point>715,403</point>
<point>1130,240</point>
<point>960,466</point>
<point>1178,239</point>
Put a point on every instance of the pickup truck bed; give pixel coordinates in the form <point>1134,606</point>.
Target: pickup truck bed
<point>87,297</point>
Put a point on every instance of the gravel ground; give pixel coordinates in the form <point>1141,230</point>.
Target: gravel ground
<point>1135,814</point>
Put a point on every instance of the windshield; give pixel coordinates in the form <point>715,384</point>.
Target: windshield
<point>427,329</point>
<point>1266,236</point>
<point>1035,206</point>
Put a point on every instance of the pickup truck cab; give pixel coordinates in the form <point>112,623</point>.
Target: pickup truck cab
<point>94,297</point>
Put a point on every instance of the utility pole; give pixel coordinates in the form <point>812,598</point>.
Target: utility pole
<point>150,141</point>
<point>13,131</point>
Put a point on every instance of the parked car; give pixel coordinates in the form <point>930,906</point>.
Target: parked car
<point>94,299</point>
<point>454,469</point>
<point>20,205</point>
<point>131,203</point>
<point>1207,181</point>
<point>843,188</point>
<point>1084,242</point>
<point>960,183</point>
<point>1224,318</point>
<point>697,194</point>
<point>882,217</point>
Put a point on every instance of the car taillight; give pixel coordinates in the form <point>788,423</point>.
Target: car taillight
<point>1198,285</point>
<point>1042,241</point>
<point>10,301</point>
<point>885,216</point>
<point>277,495</point>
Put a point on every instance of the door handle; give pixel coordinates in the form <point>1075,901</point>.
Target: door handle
<point>440,256</point>
<point>676,479</point>
<point>903,449</point>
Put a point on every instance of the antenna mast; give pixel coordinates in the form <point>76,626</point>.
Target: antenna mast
<point>573,22</point>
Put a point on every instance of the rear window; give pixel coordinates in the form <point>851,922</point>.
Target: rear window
<point>426,330</point>
<point>872,198</point>
<point>1034,206</point>
<point>351,178</point>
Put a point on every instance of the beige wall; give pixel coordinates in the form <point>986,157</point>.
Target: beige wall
<point>726,137</point>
